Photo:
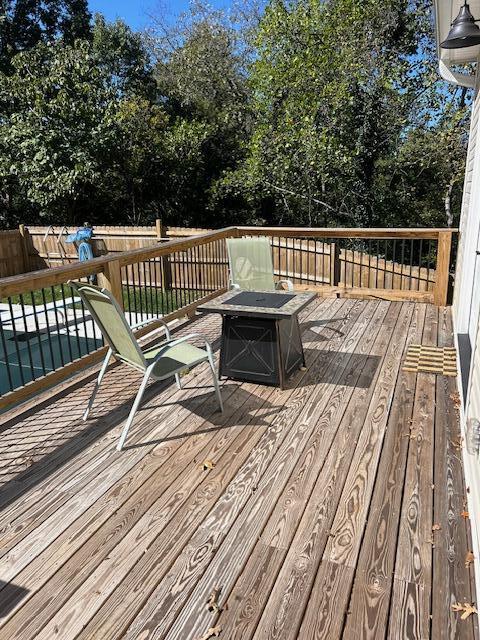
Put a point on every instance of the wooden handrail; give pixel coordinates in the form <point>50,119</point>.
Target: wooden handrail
<point>345,232</point>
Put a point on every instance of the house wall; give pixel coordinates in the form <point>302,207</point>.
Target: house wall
<point>466,304</point>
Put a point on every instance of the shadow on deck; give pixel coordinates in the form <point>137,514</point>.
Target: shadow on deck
<point>332,508</point>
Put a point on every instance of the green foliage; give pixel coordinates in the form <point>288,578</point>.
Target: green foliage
<point>335,85</point>
<point>25,23</point>
<point>60,124</point>
<point>315,112</point>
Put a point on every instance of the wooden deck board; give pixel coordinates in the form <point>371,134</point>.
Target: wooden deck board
<point>314,523</point>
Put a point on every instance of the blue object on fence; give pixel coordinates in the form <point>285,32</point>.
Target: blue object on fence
<point>85,251</point>
<point>84,233</point>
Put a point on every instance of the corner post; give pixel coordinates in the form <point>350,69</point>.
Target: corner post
<point>111,279</point>
<point>24,243</point>
<point>444,248</point>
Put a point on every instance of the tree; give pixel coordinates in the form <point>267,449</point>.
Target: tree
<point>60,126</point>
<point>200,68</point>
<point>25,23</point>
<point>123,57</point>
<point>336,87</point>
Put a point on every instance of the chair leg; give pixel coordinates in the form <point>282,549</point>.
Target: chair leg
<point>179,380</point>
<point>133,411</point>
<point>215,383</point>
<point>98,382</point>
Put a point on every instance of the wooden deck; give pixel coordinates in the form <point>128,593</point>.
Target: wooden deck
<point>333,508</point>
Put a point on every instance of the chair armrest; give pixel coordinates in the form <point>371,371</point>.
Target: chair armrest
<point>289,284</point>
<point>143,323</point>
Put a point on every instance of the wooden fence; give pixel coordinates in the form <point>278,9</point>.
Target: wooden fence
<point>386,263</point>
<point>14,258</point>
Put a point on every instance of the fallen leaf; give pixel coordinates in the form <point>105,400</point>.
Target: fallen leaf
<point>212,602</point>
<point>467,609</point>
<point>455,398</point>
<point>436,527</point>
<point>212,632</point>
<point>469,558</point>
<point>465,514</point>
<point>457,444</point>
<point>208,464</point>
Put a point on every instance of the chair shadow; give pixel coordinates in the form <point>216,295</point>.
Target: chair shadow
<point>225,420</point>
<point>339,371</point>
<point>10,596</point>
<point>46,436</point>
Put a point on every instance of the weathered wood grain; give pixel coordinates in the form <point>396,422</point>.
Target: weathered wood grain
<point>410,606</point>
<point>450,575</point>
<point>131,540</point>
<point>282,617</point>
<point>279,443</point>
<point>297,524</point>
<point>370,599</point>
<point>320,465</point>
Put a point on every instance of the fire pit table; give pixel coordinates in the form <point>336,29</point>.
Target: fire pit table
<point>261,339</point>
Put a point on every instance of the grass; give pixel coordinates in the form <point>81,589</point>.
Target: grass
<point>149,300</point>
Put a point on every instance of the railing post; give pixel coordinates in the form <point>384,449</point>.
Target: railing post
<point>25,253</point>
<point>442,271</point>
<point>335,266</point>
<point>165,268</point>
<point>111,279</point>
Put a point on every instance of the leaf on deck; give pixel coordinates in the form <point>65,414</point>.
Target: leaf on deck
<point>465,514</point>
<point>436,527</point>
<point>467,609</point>
<point>208,465</point>
<point>469,558</point>
<point>213,632</point>
<point>455,398</point>
<point>212,602</point>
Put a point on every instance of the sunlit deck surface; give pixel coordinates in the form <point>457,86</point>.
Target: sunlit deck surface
<point>333,508</point>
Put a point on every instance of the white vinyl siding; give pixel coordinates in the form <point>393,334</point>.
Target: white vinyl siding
<point>471,170</point>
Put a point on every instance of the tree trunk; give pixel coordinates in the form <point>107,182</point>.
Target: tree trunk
<point>448,204</point>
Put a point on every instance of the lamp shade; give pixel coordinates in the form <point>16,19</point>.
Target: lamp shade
<point>464,31</point>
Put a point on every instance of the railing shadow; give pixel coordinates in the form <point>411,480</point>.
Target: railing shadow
<point>11,596</point>
<point>341,372</point>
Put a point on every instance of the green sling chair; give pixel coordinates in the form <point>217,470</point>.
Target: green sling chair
<point>251,266</point>
<point>168,359</point>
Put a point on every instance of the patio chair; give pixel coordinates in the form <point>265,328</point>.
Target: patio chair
<point>168,359</point>
<point>251,266</point>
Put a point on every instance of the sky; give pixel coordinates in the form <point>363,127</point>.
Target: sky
<point>135,12</point>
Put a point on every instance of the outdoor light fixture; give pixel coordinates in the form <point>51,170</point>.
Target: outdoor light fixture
<point>464,32</point>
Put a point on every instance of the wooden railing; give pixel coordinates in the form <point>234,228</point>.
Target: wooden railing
<point>46,334</point>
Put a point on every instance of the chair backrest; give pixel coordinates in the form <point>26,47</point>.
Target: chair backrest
<point>250,262</point>
<point>112,323</point>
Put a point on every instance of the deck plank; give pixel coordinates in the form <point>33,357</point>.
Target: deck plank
<point>450,576</point>
<point>370,599</point>
<point>412,585</point>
